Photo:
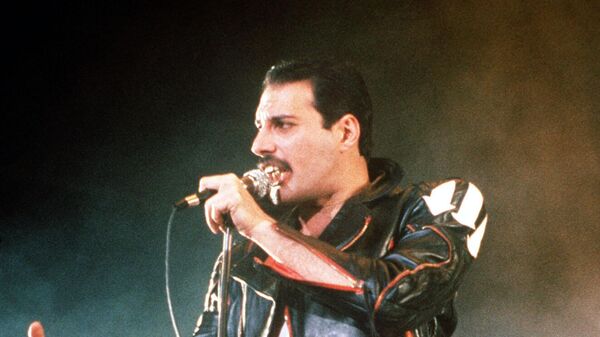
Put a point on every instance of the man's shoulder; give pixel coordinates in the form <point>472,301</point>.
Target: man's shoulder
<point>442,191</point>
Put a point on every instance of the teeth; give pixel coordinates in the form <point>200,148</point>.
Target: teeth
<point>270,169</point>
<point>274,174</point>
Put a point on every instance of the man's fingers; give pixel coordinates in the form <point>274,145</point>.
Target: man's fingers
<point>208,214</point>
<point>231,196</point>
<point>35,330</point>
<point>214,208</point>
<point>215,182</point>
<point>217,217</point>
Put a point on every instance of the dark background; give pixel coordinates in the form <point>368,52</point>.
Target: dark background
<point>111,112</point>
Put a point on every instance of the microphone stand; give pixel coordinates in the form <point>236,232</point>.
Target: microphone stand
<point>224,282</point>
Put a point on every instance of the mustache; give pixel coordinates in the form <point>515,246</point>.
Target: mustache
<point>269,160</point>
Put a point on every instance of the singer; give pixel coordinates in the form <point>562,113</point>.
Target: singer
<point>357,254</point>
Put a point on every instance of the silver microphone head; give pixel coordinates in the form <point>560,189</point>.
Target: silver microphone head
<point>259,182</point>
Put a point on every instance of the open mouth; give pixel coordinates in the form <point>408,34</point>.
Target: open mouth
<point>274,174</point>
<point>275,170</point>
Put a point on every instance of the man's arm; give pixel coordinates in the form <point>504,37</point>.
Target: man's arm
<point>252,222</point>
<point>303,261</point>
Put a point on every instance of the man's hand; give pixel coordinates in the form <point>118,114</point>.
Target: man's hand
<point>232,198</point>
<point>35,330</point>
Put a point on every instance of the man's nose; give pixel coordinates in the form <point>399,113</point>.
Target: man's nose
<point>262,144</point>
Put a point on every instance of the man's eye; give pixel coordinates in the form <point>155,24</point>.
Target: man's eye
<point>282,125</point>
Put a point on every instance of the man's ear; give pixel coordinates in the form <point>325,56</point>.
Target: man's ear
<point>348,129</point>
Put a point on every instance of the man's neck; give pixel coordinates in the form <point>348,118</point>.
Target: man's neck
<point>314,220</point>
<point>316,215</point>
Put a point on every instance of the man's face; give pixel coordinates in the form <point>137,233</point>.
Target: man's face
<point>291,138</point>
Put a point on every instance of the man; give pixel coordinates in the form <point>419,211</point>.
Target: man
<point>357,255</point>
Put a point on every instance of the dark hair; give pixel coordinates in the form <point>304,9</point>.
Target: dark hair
<point>338,89</point>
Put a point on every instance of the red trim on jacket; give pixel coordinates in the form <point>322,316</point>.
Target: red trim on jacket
<point>362,231</point>
<point>418,268</point>
<point>288,320</point>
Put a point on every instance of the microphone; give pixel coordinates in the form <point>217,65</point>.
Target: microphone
<point>255,181</point>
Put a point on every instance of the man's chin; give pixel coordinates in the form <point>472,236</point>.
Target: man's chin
<point>289,198</point>
<point>286,198</point>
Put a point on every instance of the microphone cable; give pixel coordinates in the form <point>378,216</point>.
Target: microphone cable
<point>167,248</point>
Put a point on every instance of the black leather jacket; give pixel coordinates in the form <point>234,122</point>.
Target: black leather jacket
<point>405,249</point>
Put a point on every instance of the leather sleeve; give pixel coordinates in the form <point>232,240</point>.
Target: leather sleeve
<point>435,238</point>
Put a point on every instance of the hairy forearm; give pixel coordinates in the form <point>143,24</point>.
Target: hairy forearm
<point>299,257</point>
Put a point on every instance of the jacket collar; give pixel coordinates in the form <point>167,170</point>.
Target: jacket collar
<point>385,176</point>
